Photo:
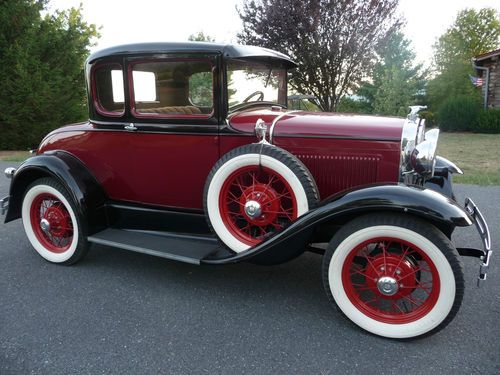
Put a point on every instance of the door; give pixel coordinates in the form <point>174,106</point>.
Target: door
<point>175,141</point>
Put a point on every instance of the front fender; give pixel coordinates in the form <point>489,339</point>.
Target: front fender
<point>87,194</point>
<point>426,204</point>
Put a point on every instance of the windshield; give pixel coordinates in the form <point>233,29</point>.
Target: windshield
<point>252,82</point>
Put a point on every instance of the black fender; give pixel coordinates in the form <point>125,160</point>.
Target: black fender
<point>426,204</point>
<point>88,195</point>
<point>442,181</point>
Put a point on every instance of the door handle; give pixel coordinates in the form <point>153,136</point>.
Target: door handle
<point>131,127</point>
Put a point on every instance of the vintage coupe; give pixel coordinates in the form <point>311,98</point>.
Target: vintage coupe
<point>190,154</point>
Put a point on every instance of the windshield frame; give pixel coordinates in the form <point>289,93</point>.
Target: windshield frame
<point>272,64</point>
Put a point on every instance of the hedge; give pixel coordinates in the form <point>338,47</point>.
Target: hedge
<point>464,113</point>
<point>487,122</point>
<point>458,113</point>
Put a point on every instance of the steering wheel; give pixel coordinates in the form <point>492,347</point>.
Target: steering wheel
<point>260,98</point>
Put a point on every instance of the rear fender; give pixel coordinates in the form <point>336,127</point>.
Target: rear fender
<point>426,204</point>
<point>87,194</point>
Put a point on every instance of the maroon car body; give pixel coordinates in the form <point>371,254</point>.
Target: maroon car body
<point>190,154</point>
<point>341,151</point>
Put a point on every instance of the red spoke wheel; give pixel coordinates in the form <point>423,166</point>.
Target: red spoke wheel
<point>254,192</point>
<point>394,276</point>
<point>51,223</point>
<point>391,280</point>
<point>255,202</point>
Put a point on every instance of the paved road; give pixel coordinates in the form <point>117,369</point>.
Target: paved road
<point>120,312</point>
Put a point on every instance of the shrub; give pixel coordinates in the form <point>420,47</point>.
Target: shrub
<point>487,122</point>
<point>353,105</point>
<point>458,113</point>
<point>429,117</point>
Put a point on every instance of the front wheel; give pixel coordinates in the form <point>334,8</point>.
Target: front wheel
<point>51,222</point>
<point>394,276</point>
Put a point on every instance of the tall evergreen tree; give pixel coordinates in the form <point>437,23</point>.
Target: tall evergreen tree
<point>41,70</point>
<point>396,81</point>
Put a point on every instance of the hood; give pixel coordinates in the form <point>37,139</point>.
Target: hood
<point>321,124</point>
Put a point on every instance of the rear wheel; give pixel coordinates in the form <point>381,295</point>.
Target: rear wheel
<point>394,276</point>
<point>51,223</point>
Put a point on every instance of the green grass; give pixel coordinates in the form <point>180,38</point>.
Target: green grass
<point>478,155</point>
<point>14,156</point>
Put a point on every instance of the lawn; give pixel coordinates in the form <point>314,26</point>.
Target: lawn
<point>15,156</point>
<point>477,154</point>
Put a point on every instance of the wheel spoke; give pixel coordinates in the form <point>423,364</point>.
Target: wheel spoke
<point>254,181</point>
<point>270,180</point>
<point>359,272</point>
<point>235,201</point>
<point>401,258</point>
<point>234,197</point>
<point>409,274</point>
<point>371,264</point>
<point>394,304</point>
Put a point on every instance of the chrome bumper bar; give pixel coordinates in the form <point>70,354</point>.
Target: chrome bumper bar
<point>4,202</point>
<point>4,205</point>
<point>484,233</point>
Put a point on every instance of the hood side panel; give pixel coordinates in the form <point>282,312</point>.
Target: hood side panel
<point>340,164</point>
<point>322,125</point>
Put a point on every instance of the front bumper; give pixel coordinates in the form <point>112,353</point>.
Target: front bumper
<point>4,205</point>
<point>484,233</point>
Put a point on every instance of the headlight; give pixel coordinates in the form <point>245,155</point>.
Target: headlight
<point>423,157</point>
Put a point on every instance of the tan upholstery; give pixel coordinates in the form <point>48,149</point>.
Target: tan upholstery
<point>184,110</point>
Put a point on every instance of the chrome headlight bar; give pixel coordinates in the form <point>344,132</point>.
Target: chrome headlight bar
<point>423,156</point>
<point>418,148</point>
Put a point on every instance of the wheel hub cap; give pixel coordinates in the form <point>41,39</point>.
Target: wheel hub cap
<point>45,225</point>
<point>387,285</point>
<point>253,209</point>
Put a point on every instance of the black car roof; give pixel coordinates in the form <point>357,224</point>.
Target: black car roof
<point>231,51</point>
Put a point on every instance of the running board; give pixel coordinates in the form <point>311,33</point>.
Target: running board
<point>184,248</point>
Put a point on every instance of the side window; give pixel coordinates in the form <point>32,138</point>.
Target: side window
<point>172,89</point>
<point>201,89</point>
<point>107,89</point>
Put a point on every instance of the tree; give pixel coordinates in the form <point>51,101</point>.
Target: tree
<point>333,41</point>
<point>41,70</point>
<point>200,36</point>
<point>472,33</point>
<point>202,82</point>
<point>396,82</point>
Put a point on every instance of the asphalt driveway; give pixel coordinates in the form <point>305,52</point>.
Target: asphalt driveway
<point>120,312</point>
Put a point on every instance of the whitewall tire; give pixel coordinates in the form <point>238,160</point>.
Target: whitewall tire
<point>51,222</point>
<point>394,276</point>
<point>255,191</point>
